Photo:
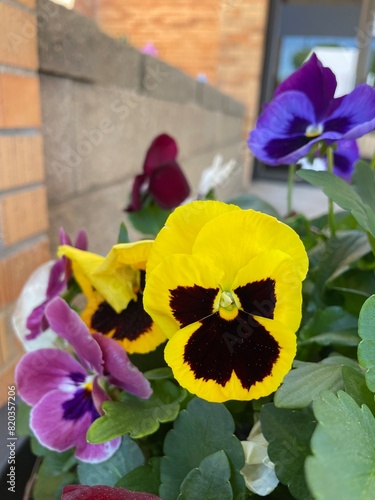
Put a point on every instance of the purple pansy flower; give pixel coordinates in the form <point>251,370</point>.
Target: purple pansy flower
<point>163,178</point>
<point>65,394</point>
<point>305,112</point>
<point>344,157</point>
<point>59,277</point>
<point>103,492</point>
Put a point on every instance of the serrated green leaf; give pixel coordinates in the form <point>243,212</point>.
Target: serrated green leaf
<point>127,457</point>
<point>246,201</point>
<point>136,416</point>
<point>210,480</point>
<point>343,446</point>
<point>123,235</point>
<point>366,348</point>
<point>289,433</point>
<point>355,386</point>
<point>304,384</point>
<point>145,478</point>
<point>200,430</point>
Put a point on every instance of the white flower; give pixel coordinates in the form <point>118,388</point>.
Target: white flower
<point>215,175</point>
<point>259,471</point>
<point>32,295</point>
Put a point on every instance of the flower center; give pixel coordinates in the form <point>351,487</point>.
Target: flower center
<point>227,306</point>
<point>314,130</point>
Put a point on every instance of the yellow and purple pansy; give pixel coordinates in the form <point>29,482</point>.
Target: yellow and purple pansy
<point>224,285</point>
<point>113,286</point>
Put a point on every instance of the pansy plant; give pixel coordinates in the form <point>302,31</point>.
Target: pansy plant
<point>224,284</point>
<point>67,394</point>
<point>304,113</point>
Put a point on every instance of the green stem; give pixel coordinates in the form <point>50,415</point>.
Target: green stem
<point>331,214</point>
<point>372,164</point>
<point>291,174</point>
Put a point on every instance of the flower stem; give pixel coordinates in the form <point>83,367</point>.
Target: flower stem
<point>331,214</point>
<point>291,173</point>
<point>372,164</point>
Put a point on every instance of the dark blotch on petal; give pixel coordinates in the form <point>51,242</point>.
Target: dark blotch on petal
<point>258,297</point>
<point>280,147</point>
<point>77,377</point>
<point>192,303</point>
<point>81,403</point>
<point>129,324</point>
<point>220,347</point>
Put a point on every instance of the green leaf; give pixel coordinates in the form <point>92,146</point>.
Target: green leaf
<point>210,480</point>
<point>289,433</point>
<point>127,457</point>
<point>358,198</point>
<point>304,384</point>
<point>366,348</point>
<point>123,235</point>
<point>159,373</point>
<point>22,419</point>
<point>355,386</point>
<point>49,487</point>
<point>343,446</point>
<point>53,474</point>
<point>138,417</point>
<point>201,430</point>
<point>246,201</point>
<point>145,478</point>
<point>330,326</point>
<point>150,219</point>
<point>334,258</point>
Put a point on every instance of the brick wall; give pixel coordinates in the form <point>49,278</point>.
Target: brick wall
<point>222,38</point>
<point>23,201</point>
<point>102,104</point>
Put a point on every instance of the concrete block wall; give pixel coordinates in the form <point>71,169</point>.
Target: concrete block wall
<point>102,104</point>
<point>23,199</point>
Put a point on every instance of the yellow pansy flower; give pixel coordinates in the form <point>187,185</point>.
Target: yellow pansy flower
<point>113,286</point>
<point>224,284</point>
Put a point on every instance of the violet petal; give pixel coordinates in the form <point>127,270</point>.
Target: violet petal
<point>355,116</point>
<point>344,158</point>
<point>168,186</point>
<point>122,372</point>
<point>44,370</point>
<point>103,492</point>
<point>81,240</point>
<point>67,323</point>
<point>163,149</point>
<point>57,279</point>
<point>314,80</point>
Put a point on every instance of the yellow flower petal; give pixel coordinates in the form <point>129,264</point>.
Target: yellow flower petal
<point>182,227</point>
<point>186,278</point>
<point>230,346</point>
<point>115,277</point>
<point>231,240</point>
<point>280,268</point>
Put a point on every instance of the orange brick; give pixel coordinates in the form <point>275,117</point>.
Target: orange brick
<point>3,342</point>
<point>7,379</point>
<point>21,160</point>
<point>18,42</point>
<point>19,101</point>
<point>23,215</point>
<point>28,3</point>
<point>15,270</point>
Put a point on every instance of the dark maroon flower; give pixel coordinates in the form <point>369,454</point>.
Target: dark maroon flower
<point>101,492</point>
<point>162,177</point>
